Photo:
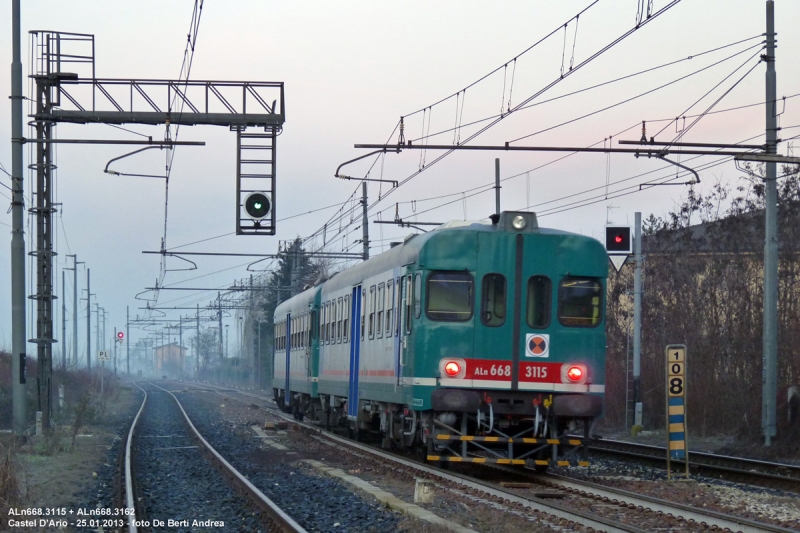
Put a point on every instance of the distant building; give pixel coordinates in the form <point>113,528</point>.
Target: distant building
<point>169,358</point>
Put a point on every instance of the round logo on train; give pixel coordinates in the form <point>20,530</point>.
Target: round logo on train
<point>537,345</point>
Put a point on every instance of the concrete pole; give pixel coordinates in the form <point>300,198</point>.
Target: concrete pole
<point>770,340</point>
<point>180,341</point>
<point>637,320</point>
<point>18,331</point>
<point>497,186</point>
<point>364,220</point>
<point>63,319</point>
<point>197,345</point>
<point>115,351</point>
<point>88,320</point>
<point>97,327</point>
<point>219,308</point>
<point>74,308</point>
<point>128,340</point>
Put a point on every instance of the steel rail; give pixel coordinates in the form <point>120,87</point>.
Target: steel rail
<point>703,463</point>
<point>559,511</point>
<point>130,500</point>
<point>285,522</point>
<point>687,512</point>
<point>720,520</point>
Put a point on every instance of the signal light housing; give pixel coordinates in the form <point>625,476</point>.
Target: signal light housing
<point>453,368</point>
<point>618,239</point>
<point>257,205</point>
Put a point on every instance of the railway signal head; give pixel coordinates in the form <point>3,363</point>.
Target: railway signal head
<point>257,205</point>
<point>618,239</point>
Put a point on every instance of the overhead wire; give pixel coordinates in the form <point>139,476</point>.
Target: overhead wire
<point>541,91</point>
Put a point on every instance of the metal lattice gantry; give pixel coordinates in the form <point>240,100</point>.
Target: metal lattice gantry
<point>62,96</point>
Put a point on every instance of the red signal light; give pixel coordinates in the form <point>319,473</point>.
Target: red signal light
<point>120,335</point>
<point>575,373</point>
<point>451,368</point>
<point>618,239</point>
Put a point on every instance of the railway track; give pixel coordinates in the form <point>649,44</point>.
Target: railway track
<point>576,503</point>
<point>737,469</point>
<point>166,478</point>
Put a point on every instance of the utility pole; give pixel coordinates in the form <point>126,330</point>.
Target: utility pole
<point>256,355</point>
<point>770,364</point>
<point>637,320</point>
<point>18,331</point>
<point>74,308</point>
<point>103,337</point>
<point>364,221</point>
<point>497,186</point>
<point>197,345</point>
<point>115,351</point>
<point>63,319</point>
<point>180,341</point>
<point>88,320</point>
<point>127,340</point>
<point>219,308</point>
<point>97,327</point>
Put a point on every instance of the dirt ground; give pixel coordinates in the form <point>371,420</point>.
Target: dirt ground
<point>53,472</point>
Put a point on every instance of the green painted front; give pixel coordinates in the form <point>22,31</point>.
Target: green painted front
<point>551,254</point>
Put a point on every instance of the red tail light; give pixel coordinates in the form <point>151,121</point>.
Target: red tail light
<point>451,368</point>
<point>575,373</point>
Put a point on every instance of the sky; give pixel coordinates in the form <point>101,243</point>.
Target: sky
<point>351,69</point>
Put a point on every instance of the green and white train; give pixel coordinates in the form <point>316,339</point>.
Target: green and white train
<point>482,342</point>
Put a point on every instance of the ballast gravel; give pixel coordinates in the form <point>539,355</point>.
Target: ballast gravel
<point>176,482</point>
<point>318,503</point>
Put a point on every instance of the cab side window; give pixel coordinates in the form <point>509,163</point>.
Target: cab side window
<point>493,300</point>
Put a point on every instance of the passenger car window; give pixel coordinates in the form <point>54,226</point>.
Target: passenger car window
<point>539,298</point>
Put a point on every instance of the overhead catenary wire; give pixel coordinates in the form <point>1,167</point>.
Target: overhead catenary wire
<point>538,93</point>
<point>612,81</point>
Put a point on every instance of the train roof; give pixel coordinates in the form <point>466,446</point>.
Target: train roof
<point>408,251</point>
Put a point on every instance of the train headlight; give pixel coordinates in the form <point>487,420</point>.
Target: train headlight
<point>574,374</point>
<point>518,222</point>
<point>452,368</point>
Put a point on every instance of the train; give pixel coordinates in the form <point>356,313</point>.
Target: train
<point>472,342</point>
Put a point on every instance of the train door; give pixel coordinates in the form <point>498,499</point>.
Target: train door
<point>397,327</point>
<point>355,351</point>
<point>287,393</point>
<point>495,326</point>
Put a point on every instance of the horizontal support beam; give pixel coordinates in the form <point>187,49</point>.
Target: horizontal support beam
<point>697,145</point>
<point>506,148</point>
<point>214,307</point>
<point>229,289</point>
<point>404,223</point>
<point>769,158</point>
<point>155,118</point>
<point>160,144</point>
<point>329,255</point>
